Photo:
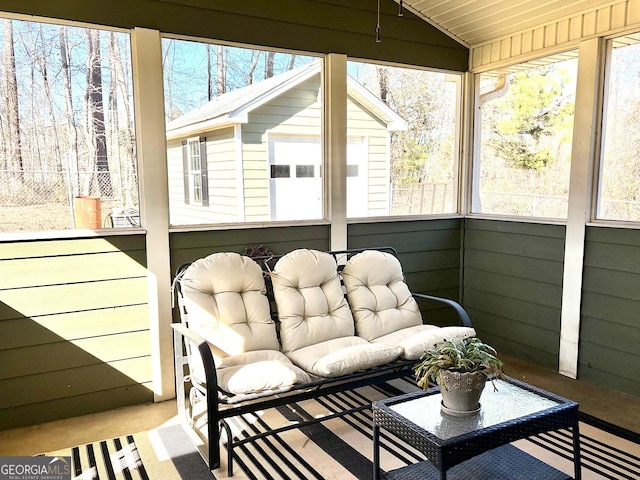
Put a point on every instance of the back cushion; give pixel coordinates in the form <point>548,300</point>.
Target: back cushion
<point>310,300</point>
<point>380,300</point>
<point>226,304</point>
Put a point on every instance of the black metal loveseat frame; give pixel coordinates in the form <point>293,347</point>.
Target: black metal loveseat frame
<point>189,347</point>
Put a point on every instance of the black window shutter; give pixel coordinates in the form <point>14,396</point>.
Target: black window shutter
<point>203,172</point>
<point>185,171</point>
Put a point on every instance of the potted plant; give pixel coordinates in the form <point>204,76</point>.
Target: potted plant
<point>461,369</point>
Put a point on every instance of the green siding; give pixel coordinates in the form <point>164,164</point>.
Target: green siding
<point>189,246</point>
<point>513,286</point>
<point>609,355</point>
<point>323,26</point>
<point>74,324</point>
<point>429,251</point>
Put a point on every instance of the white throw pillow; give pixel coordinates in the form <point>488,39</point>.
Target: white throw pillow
<point>415,345</point>
<point>255,372</point>
<point>342,356</point>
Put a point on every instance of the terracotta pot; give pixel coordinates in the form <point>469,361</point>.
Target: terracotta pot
<point>87,212</point>
<point>461,391</point>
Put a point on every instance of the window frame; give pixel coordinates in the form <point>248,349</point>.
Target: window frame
<point>191,174</point>
<point>475,157</point>
<point>599,164</point>
<point>241,121</point>
<point>136,211</point>
<point>459,204</point>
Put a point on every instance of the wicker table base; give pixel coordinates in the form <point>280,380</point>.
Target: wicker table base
<point>503,463</point>
<point>510,412</point>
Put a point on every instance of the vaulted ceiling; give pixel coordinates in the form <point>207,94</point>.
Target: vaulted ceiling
<point>476,22</point>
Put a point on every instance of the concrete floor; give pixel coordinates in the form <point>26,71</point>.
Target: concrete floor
<point>614,407</point>
<point>619,409</point>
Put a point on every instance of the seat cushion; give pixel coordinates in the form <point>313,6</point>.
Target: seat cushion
<point>341,356</point>
<point>415,340</point>
<point>226,303</point>
<point>258,371</point>
<point>379,298</point>
<point>310,301</point>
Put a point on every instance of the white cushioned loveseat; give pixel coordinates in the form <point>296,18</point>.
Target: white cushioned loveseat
<point>256,333</point>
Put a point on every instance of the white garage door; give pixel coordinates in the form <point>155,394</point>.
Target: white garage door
<point>295,169</point>
<point>295,183</point>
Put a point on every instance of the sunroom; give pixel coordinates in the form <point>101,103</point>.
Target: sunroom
<point>493,144</point>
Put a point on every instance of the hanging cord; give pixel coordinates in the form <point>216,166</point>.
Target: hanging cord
<point>400,12</point>
<point>378,29</point>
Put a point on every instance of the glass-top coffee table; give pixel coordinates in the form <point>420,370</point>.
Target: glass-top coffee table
<point>515,411</point>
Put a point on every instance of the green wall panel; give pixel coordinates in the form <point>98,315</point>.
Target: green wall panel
<point>513,286</point>
<point>74,320</point>
<point>78,380</point>
<point>610,315</point>
<point>189,246</point>
<point>18,362</point>
<point>83,404</point>
<point>429,251</point>
<point>15,332</point>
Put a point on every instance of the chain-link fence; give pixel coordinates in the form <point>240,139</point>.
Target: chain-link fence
<point>619,210</point>
<point>524,204</point>
<point>423,199</point>
<point>553,206</point>
<point>45,200</point>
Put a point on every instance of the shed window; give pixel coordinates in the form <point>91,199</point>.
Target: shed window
<point>305,171</point>
<point>195,171</point>
<point>280,171</point>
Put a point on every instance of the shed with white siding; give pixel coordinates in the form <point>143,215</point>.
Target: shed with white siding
<point>254,154</point>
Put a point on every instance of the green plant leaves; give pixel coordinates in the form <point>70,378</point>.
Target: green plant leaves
<point>467,355</point>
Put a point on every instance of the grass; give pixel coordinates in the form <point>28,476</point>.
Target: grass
<point>42,218</point>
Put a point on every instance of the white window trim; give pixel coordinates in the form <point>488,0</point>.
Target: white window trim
<point>192,172</point>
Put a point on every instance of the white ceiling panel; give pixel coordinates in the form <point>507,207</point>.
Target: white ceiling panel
<point>476,22</point>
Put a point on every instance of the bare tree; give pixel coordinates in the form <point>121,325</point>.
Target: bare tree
<point>268,68</point>
<point>113,109</point>
<point>222,70</point>
<point>33,146</point>
<point>122,139</point>
<point>4,165</point>
<point>95,112</point>
<point>72,163</point>
<point>255,56</point>
<point>383,82</point>
<point>167,59</point>
<point>292,61</point>
<point>13,139</point>
<point>42,65</point>
<point>209,72</point>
